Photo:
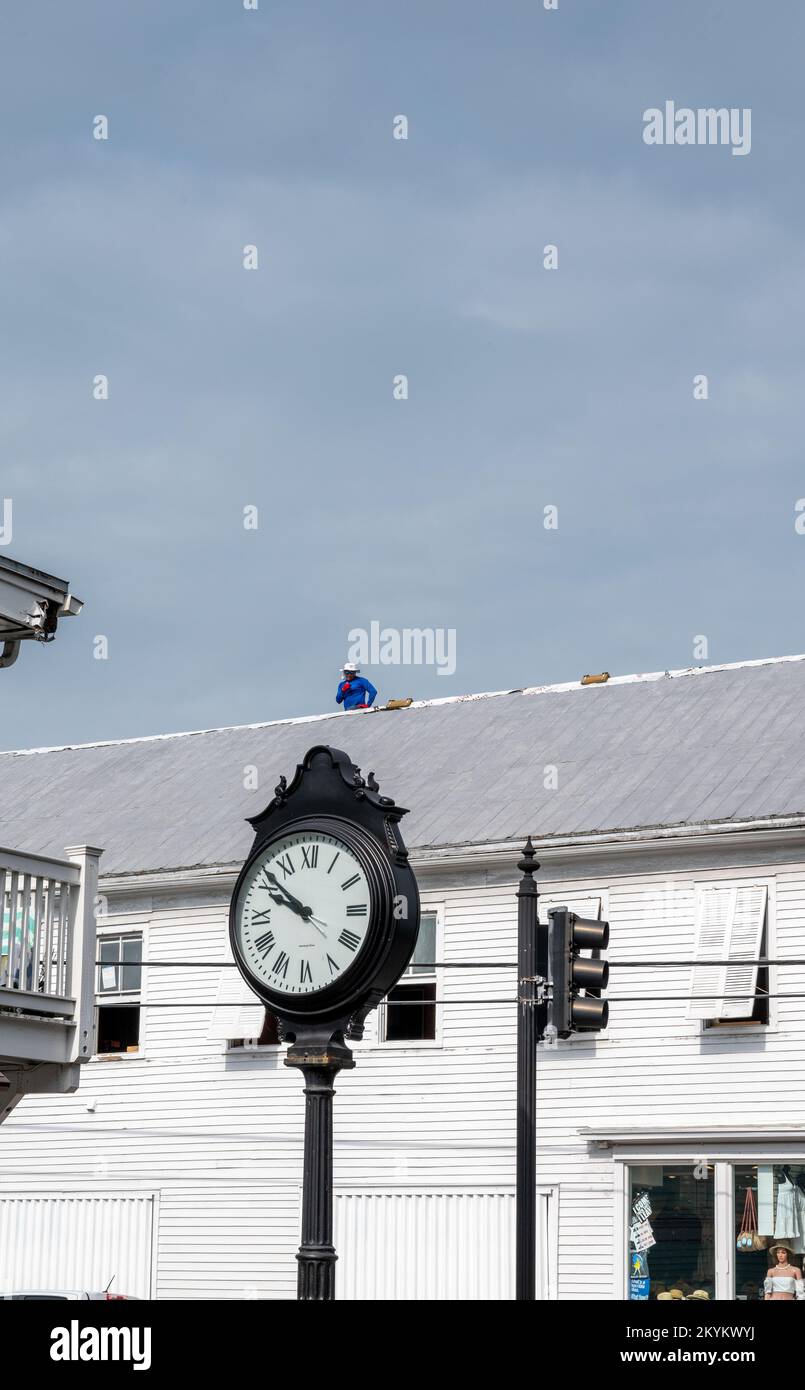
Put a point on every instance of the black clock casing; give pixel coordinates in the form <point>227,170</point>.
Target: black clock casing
<point>328,795</point>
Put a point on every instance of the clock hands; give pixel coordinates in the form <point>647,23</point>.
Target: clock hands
<point>286,899</point>
<point>283,902</point>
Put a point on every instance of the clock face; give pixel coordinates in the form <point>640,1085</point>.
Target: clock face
<point>303,912</point>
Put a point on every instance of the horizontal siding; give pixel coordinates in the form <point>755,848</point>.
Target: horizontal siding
<point>218,1243</point>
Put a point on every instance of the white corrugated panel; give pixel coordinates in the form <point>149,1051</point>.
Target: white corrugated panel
<point>76,1242</point>
<point>397,1245</point>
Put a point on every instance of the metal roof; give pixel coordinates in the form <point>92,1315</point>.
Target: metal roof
<point>668,749</point>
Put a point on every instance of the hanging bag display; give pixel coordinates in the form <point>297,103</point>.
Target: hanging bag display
<point>748,1233</point>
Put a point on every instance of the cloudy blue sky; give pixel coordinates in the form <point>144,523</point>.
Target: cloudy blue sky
<point>378,257</point>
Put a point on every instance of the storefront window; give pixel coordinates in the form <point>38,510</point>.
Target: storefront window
<point>769,1210</point>
<point>671,1235</point>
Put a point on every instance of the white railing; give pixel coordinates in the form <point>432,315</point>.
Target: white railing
<point>36,937</point>
<point>47,941</point>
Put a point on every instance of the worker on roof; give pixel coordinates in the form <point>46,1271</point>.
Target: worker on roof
<point>354,691</point>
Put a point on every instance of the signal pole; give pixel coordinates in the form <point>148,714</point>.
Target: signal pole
<point>527,1035</point>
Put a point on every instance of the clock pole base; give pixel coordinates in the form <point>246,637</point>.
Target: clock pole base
<point>316,1279</point>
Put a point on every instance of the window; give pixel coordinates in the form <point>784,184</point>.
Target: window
<point>670,1232</point>
<point>768,1197</point>
<point>238,1016</point>
<point>589,906</point>
<point>118,993</point>
<point>732,932</point>
<point>269,1036</point>
<point>409,1012</point>
<point>681,1210</point>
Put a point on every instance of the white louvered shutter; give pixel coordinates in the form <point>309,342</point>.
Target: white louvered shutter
<point>246,1021</point>
<point>729,927</point>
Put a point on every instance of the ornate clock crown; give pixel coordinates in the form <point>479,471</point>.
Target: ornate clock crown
<point>328,782</point>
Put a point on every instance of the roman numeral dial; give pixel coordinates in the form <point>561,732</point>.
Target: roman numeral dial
<point>303,913</point>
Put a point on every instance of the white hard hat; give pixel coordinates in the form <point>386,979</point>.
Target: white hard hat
<point>350,666</point>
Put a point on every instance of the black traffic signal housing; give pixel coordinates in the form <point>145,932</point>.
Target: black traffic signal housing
<point>569,1009</point>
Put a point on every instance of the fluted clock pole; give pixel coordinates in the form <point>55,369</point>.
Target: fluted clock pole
<point>317,1257</point>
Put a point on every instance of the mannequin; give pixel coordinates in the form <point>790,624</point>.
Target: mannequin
<point>783,1279</point>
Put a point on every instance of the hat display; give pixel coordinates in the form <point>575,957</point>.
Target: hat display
<point>664,1295</point>
<point>676,1293</point>
<point>698,1294</point>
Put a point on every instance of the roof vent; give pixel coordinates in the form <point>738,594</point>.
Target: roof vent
<point>600,679</point>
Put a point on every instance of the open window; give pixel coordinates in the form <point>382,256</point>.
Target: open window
<point>239,1018</point>
<point>269,1035</point>
<point>119,984</point>
<point>408,1013</point>
<point>727,984</point>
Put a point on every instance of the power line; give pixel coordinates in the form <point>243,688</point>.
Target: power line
<point>455,1003</point>
<point>461,964</point>
<point>101,1003</point>
<point>232,965</point>
<point>651,964</point>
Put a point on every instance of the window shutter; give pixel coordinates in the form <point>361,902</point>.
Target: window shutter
<point>729,927</point>
<point>243,1022</point>
<point>748,917</point>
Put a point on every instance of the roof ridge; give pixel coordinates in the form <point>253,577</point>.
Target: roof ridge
<point>564,687</point>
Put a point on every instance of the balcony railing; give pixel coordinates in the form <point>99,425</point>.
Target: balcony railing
<point>47,954</point>
<point>36,937</point>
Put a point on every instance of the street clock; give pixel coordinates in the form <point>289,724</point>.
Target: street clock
<point>323,922</point>
<point>325,912</point>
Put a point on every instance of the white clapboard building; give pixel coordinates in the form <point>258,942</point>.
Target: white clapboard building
<point>671,804</point>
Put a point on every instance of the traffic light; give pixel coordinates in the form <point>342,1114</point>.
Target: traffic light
<point>570,1010</point>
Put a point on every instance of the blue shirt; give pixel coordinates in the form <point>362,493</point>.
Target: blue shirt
<point>361,692</point>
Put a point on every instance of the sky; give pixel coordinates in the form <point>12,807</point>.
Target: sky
<point>274,388</point>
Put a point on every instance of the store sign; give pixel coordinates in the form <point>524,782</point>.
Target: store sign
<point>641,1209</point>
<point>639,1264</point>
<point>638,1288</point>
<point>641,1235</point>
